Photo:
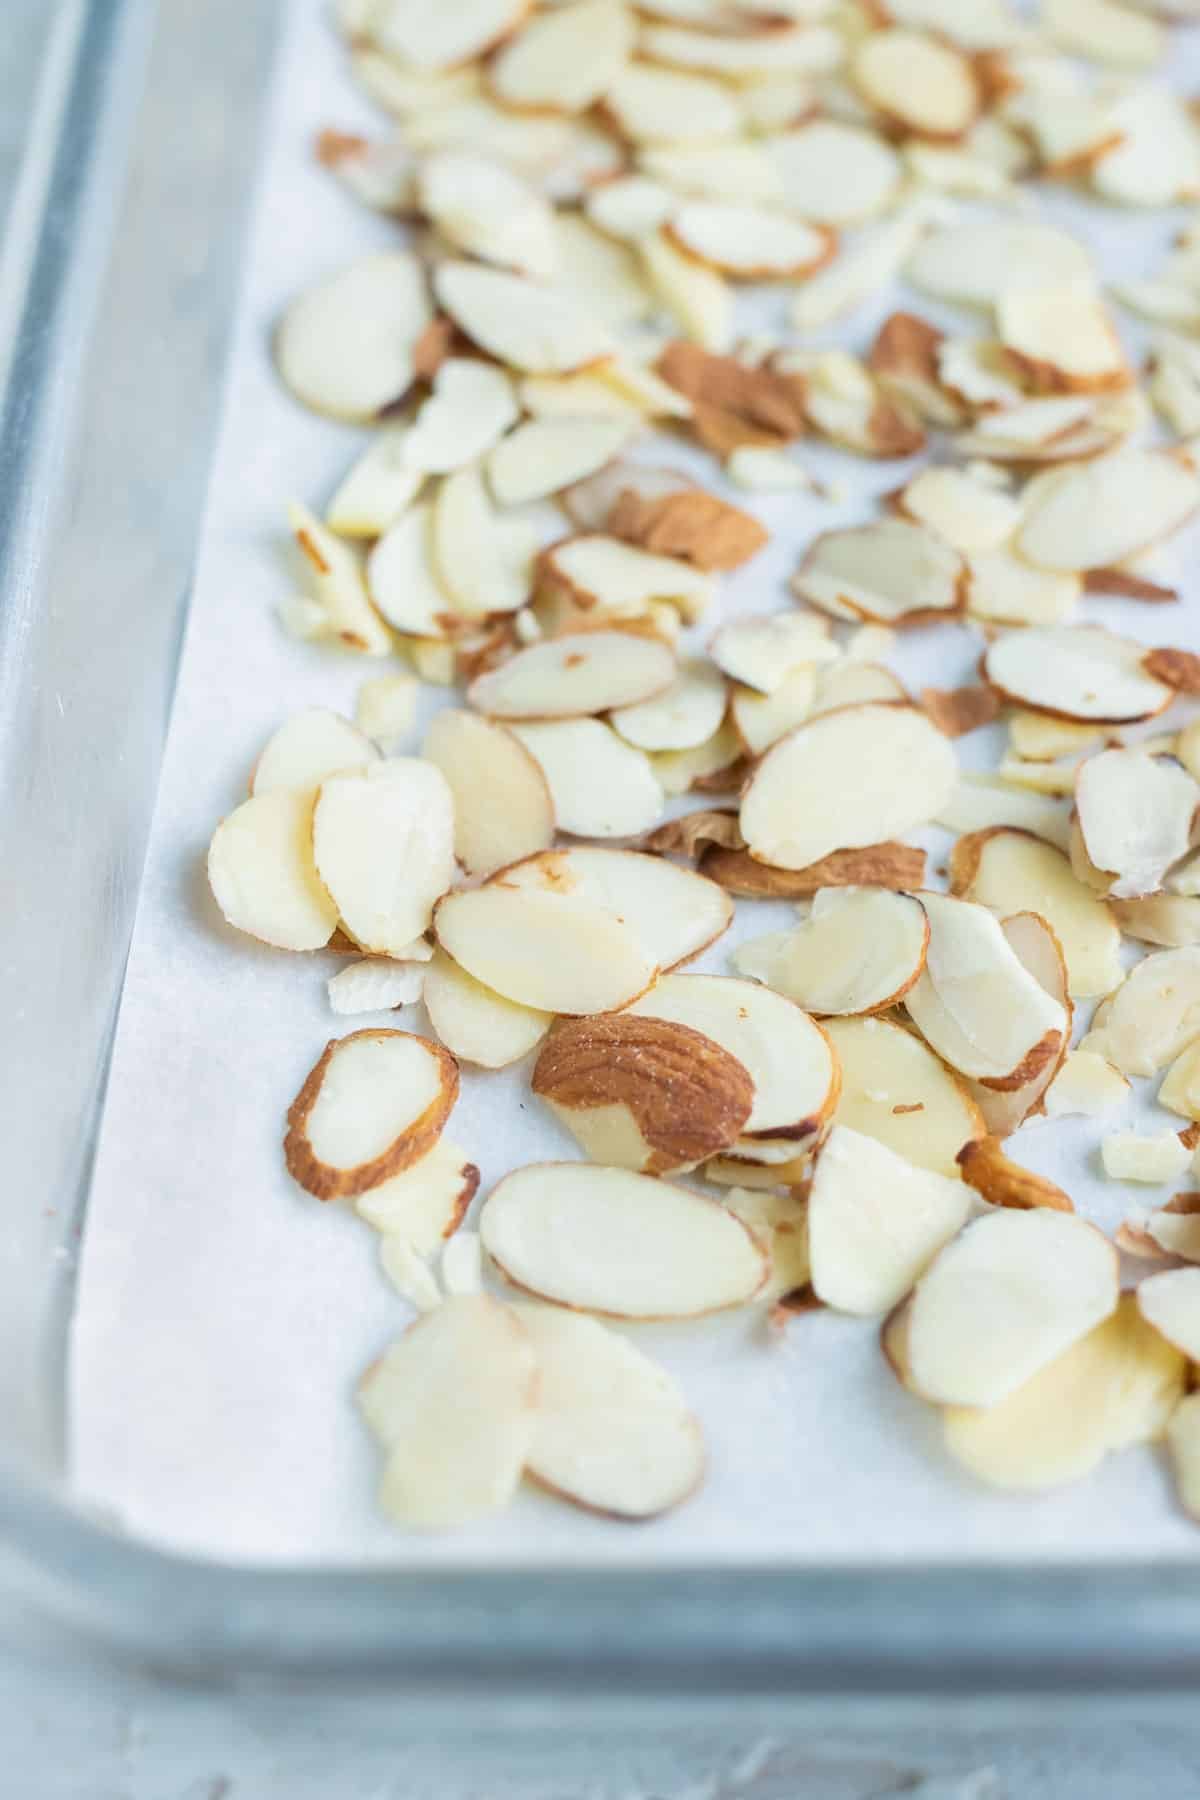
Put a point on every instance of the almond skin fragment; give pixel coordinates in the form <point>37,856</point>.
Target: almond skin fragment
<point>333,1181</point>
<point>688,1098</point>
<point>1002,1182</point>
<point>1178,669</point>
<point>693,832</point>
<point>890,865</point>
<point>957,711</point>
<point>697,526</point>
<point>760,400</point>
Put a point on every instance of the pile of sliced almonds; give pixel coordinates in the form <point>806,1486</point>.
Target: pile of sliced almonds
<point>835,1122</point>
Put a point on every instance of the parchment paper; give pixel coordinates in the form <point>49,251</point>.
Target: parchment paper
<point>224,1316</point>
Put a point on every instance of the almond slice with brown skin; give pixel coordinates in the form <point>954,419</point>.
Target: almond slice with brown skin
<point>476,1024</point>
<point>1136,818</point>
<point>426,1204</point>
<point>674,912</point>
<point>1002,1182</point>
<point>334,576</point>
<point>1039,951</point>
<point>345,347</point>
<point>643,1093</point>
<point>897,866</point>
<point>564,1231</point>
<point>684,716</point>
<point>890,572</point>
<point>917,83</point>
<point>544,456</point>
<point>372,1105</point>
<point>958,711</point>
<point>1098,513</point>
<point>502,804</point>
<point>383,847</point>
<point>760,650</point>
<point>621,580</point>
<point>859,951</point>
<point>1152,1016</point>
<point>762,398</point>
<point>897,1091</point>
<point>374,984</point>
<point>526,324</point>
<point>1080,672</point>
<point>563,60</point>
<point>692,832</point>
<point>691,524</point>
<point>572,676</point>
<point>544,950</point>
<point>648,104</point>
<point>749,243</point>
<point>1061,338</point>
<point>263,876</point>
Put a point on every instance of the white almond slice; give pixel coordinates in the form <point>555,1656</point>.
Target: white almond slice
<point>476,1024</point>
<point>889,572</point>
<point>730,170</point>
<point>1061,336</point>
<point>778,1220</point>
<point>1012,871</point>
<point>745,56</point>
<point>568,677</point>
<point>1171,1304</point>
<point>788,1057</point>
<point>861,271</point>
<point>962,511</point>
<point>853,777</point>
<point>621,580</point>
<point>1004,590</point>
<point>566,60</point>
<point>453,1402</point>
<point>1086,1085</point>
<point>859,951</point>
<point>760,650</point>
<point>952,169</point>
<point>1116,1386</point>
<point>503,808</point>
<point>403,90</point>
<point>402,576</point>
<point>977,1005</point>
<point>1172,920</point>
<point>1039,951</point>
<point>386,708</point>
<point>382,175</point>
<point>484,561</point>
<point>631,207</point>
<point>975,262</point>
<point>1175,1228</point>
<point>718,761</point>
<point>308,747</point>
<point>1153,1016</point>
<point>1080,672</point>
<point>425,1204</point>
<point>761,720</point>
<point>1183,1441</point>
<point>776,103</point>
<point>1105,32</point>
<point>410,1275</point>
<point>374,984</point>
<point>383,843</point>
<point>700,299</point>
<point>334,574</point>
<point>589,396</point>
<point>462,1264</point>
<point>980,803</point>
<point>651,105</point>
<point>852,683</point>
<point>762,470</point>
<point>1035,738</point>
<point>600,786</point>
<point>973,24</point>
<point>868,172</point>
<point>1136,816</point>
<point>917,83</point>
<point>1100,512</point>
<point>674,912</point>
<point>1004,1299</point>
<point>372,1105</point>
<point>376,490</point>
<point>614,1433</point>
<point>611,1241</point>
<point>897,1091</point>
<point>1148,1157</point>
<point>684,716</point>
<point>432,39</point>
<point>471,407</point>
<point>345,346</point>
<point>974,372</point>
<point>262,873</point>
<point>545,455</point>
<point>482,207</point>
<point>875,1222</point>
<point>1153,154</point>
<point>526,324</point>
<point>603,277</point>
<point>302,618</point>
<point>547,951</point>
<point>748,242</point>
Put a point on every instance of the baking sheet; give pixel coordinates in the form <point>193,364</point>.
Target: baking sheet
<point>224,1316</point>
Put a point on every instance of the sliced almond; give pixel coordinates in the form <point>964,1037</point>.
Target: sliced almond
<point>476,1024</point>
<point>849,779</point>
<point>1097,513</point>
<point>674,912</point>
<point>958,711</point>
<point>1180,1089</point>
<point>905,359</point>
<point>975,262</point>
<point>763,470</point>
<point>483,208</point>
<point>1105,32</point>
<point>631,207</point>
<point>859,951</point>
<point>748,242</point>
<point>1061,338</point>
<point>600,786</point>
<point>682,717</point>
<point>1183,1439</point>
<point>377,488</point>
<point>564,60</point>
<point>412,34</point>
<point>381,174</point>
<point>471,407</point>
<point>1080,672</point>
<point>729,169</point>
<point>896,866</point>
<point>973,24</point>
<point>334,574</point>
<point>1014,871</point>
<point>528,325</point>
<point>1171,920</point>
<point>760,650</point>
<point>613,1432</point>
<point>604,277</point>
<point>852,683</point>
<point>386,708</point>
<point>1003,1300</point>
<point>263,876</point>
<point>1002,1182</point>
<point>875,1222</point>
<point>980,803</point>
<point>844,403</point>
<point>714,767</point>
<point>1153,1015</point>
<point>383,846</point>
<point>1152,157</point>
<point>917,83</point>
<point>869,171</point>
<point>453,1403</point>
<point>1036,738</point>
<point>789,1059</point>
<point>564,1231</point>
<point>897,1091</point>
<point>697,297</point>
<point>425,1204</point>
<point>590,503</point>
<point>1115,1386</point>
<point>374,984</point>
<point>575,675</point>
<point>745,55</point>
<point>1086,1084</point>
<point>890,572</point>
<point>345,347</point>
<point>503,808</point>
<point>962,511</point>
<point>543,456</point>
<point>762,719</point>
<point>1144,1157</point>
<point>1039,951</point>
<point>484,561</point>
<point>410,1274</point>
<point>649,104</point>
<point>763,400</point>
<point>403,577</point>
<point>693,525</point>
<point>545,951</point>
<point>643,1093</point>
<point>1136,815</point>
<point>1171,1304</point>
<point>620,580</point>
<point>308,747</point>
<point>373,1104</point>
<point>860,271</point>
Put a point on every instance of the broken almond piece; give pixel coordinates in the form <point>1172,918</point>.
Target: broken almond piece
<point>749,243</point>
<point>1144,1157</point>
<point>643,1093</point>
<point>619,579</point>
<point>975,1002</point>
<point>383,846</point>
<point>345,346</point>
<point>376,489</point>
<point>897,1091</point>
<point>1039,951</point>
<point>1115,1386</point>
<point>846,780</point>
<point>684,716</point>
<point>476,1024</point>
<point>373,1104</point>
<point>453,1404</point>
<point>544,950</point>
<point>1080,672</point>
<point>905,360</point>
<point>544,456</point>
<point>334,574</point>
<point>503,808</point>
<point>760,397</point>
<point>1097,513</point>
<point>859,951</point>
<point>564,1231</point>
<point>890,573</point>
<point>575,675</point>
<point>1086,1084</point>
<point>374,984</point>
<point>1002,1300</point>
<point>1152,1016</point>
<point>1136,816</point>
<point>691,524</point>
<point>958,711</point>
<point>600,786</point>
<point>426,1204</point>
<point>385,709</point>
<point>897,866</point>
<point>1002,1182</point>
<point>263,876</point>
<point>526,324</point>
<point>760,650</point>
<point>613,1432</point>
<point>307,747</point>
<point>917,83</point>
